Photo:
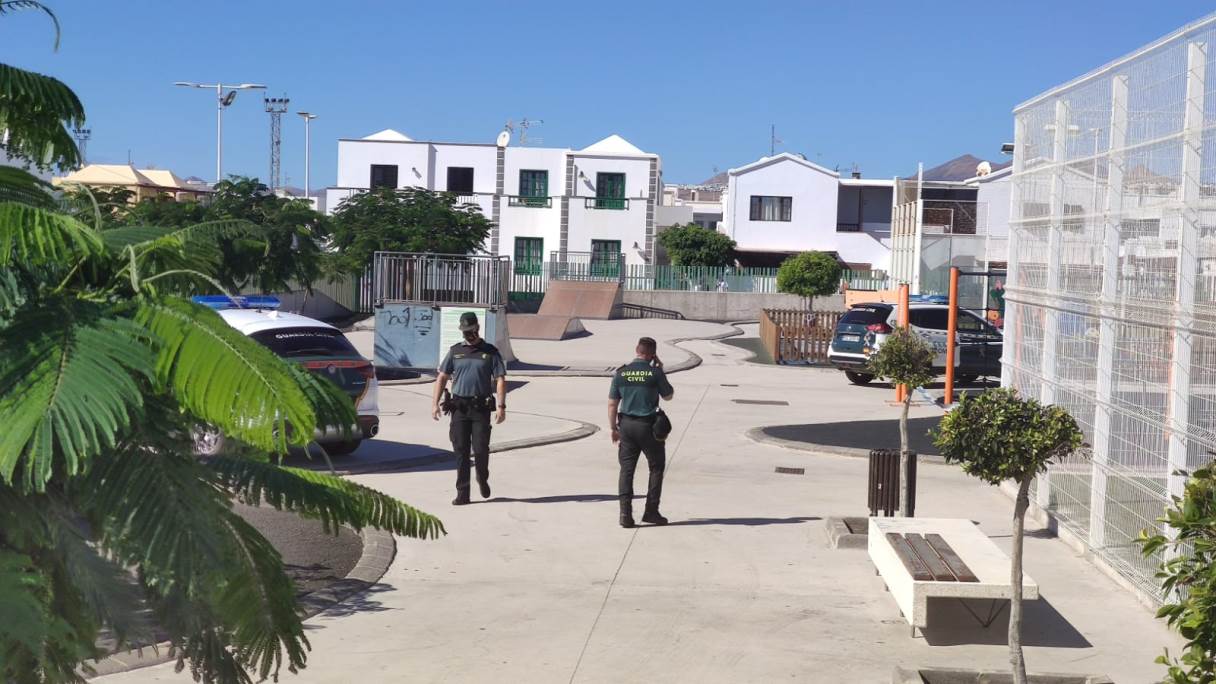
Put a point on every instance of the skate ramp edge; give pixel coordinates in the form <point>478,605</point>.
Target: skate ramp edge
<point>542,327</point>
<point>577,299</point>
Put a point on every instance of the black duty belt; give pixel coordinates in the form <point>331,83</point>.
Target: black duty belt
<point>644,419</point>
<point>453,403</point>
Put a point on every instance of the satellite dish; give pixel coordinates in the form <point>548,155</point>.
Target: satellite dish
<point>228,98</point>
<point>504,138</point>
<point>983,169</point>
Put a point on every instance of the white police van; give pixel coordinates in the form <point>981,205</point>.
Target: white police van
<point>318,347</point>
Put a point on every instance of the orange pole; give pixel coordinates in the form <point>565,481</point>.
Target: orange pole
<point>901,391</point>
<point>951,333</point>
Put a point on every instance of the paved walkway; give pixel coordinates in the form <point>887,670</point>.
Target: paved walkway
<point>540,585</point>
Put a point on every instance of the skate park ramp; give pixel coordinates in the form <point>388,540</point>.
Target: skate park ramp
<point>591,300</point>
<point>542,327</point>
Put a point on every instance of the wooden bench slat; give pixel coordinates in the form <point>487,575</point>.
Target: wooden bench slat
<point>912,562</point>
<point>937,568</point>
<point>950,558</point>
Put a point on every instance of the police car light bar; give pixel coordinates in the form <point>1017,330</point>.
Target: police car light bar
<point>221,302</point>
<point>929,299</point>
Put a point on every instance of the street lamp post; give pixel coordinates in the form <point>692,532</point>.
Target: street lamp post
<point>221,101</point>
<point>308,117</point>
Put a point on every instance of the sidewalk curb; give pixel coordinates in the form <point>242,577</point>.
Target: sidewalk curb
<point>580,431</point>
<point>379,550</point>
<point>757,434</point>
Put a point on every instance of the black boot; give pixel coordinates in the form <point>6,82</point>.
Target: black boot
<point>485,488</point>
<point>652,517</point>
<point>462,499</point>
<point>627,515</point>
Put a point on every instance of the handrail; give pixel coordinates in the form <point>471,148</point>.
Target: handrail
<point>542,202</point>
<point>614,203</point>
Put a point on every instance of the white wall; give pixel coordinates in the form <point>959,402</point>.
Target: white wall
<point>813,213</point>
<point>536,158</point>
<point>637,174</point>
<point>626,225</point>
<point>482,158</point>
<point>994,197</point>
<point>355,158</point>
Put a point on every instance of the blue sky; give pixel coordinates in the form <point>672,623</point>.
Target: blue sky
<point>879,84</point>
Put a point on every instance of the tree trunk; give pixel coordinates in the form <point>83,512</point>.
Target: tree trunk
<point>1015,577</point>
<point>903,456</point>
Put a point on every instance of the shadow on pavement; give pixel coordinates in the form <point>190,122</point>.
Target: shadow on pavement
<point>860,434</point>
<point>564,498</point>
<point>748,522</point>
<point>1042,625</point>
<point>363,602</point>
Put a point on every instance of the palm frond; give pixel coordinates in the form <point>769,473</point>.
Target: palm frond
<point>23,187</point>
<point>333,406</point>
<point>330,499</point>
<point>37,111</point>
<point>226,379</point>
<point>207,569</point>
<point>69,383</point>
<point>10,6</point>
<point>32,235</point>
<point>205,233</point>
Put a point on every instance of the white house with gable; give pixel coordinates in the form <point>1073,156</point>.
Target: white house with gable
<point>784,204</point>
<point>598,201</point>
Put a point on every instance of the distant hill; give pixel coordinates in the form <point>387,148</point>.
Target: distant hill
<point>717,179</point>
<point>957,169</point>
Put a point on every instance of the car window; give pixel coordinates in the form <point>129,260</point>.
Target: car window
<point>969,322</point>
<point>931,319</point>
<point>291,342</point>
<point>866,315</point>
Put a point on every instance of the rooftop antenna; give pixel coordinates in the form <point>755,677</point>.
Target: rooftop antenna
<point>276,107</point>
<point>773,140</point>
<point>524,124</point>
<point>82,136</point>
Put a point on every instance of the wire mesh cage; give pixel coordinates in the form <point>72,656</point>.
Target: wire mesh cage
<point>1112,290</point>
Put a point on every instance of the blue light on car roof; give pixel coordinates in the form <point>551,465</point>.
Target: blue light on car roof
<point>929,299</point>
<point>221,302</point>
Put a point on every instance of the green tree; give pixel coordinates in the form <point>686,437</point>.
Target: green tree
<point>998,436</point>
<point>692,245</point>
<point>1188,577</point>
<point>810,275</point>
<point>905,359</point>
<point>105,374</point>
<point>404,220</point>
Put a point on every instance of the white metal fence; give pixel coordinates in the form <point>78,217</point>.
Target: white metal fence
<point>1112,304</point>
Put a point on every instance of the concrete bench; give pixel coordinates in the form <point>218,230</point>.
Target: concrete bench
<point>923,558</point>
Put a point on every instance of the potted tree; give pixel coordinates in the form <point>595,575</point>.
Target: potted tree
<point>998,436</point>
<point>1188,577</point>
<point>904,359</point>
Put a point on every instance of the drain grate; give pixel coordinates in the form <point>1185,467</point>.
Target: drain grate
<point>784,470</point>
<point>726,384</point>
<point>761,402</point>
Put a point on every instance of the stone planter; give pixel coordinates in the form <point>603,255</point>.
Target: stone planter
<point>950,676</point>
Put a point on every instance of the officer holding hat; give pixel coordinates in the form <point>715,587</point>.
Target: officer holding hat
<point>479,388</point>
<point>638,426</point>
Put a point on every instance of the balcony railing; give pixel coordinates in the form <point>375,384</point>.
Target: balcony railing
<point>534,202</point>
<point>848,227</point>
<point>596,266</point>
<point>618,203</point>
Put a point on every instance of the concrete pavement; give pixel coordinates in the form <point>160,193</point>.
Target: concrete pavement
<point>540,585</point>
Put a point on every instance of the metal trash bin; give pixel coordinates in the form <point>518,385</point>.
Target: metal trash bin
<point>883,490</point>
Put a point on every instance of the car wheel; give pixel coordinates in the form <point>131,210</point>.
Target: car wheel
<point>209,441</point>
<point>342,448</point>
<point>858,378</point>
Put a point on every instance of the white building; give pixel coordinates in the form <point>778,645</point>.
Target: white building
<point>784,204</point>
<point>599,200</point>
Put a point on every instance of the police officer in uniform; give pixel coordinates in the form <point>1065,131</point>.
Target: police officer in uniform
<point>479,388</point>
<point>633,410</point>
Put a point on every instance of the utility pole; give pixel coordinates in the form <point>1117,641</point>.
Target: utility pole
<point>773,140</point>
<point>308,117</point>
<point>221,101</point>
<point>276,106</point>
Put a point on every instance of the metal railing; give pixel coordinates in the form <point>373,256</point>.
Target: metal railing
<point>618,203</point>
<point>866,280</point>
<point>586,266</point>
<point>701,278</point>
<point>525,201</point>
<point>440,278</point>
<point>848,227</point>
<point>640,311</point>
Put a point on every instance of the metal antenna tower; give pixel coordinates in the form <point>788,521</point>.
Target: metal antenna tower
<point>276,107</point>
<point>82,136</point>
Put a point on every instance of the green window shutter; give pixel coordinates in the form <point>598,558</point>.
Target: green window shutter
<point>528,259</point>
<point>609,190</point>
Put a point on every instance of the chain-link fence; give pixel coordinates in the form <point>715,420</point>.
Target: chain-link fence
<point>1112,309</point>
